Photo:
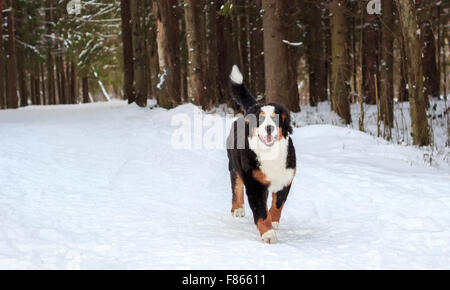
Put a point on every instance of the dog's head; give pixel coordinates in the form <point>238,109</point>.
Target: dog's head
<point>270,123</point>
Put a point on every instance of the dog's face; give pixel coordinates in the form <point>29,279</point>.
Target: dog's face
<point>270,123</point>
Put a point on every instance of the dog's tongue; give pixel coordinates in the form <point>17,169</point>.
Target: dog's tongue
<point>269,138</point>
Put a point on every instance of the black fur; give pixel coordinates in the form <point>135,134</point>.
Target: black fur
<point>242,96</point>
<point>243,160</point>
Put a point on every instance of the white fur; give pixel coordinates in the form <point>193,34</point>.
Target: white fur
<point>268,111</point>
<point>269,237</point>
<point>275,225</point>
<point>239,212</point>
<point>236,75</point>
<point>272,159</point>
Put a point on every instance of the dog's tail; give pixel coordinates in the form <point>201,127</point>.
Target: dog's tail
<point>239,91</point>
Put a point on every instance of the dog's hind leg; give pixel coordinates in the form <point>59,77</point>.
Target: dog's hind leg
<point>278,200</point>
<point>237,187</point>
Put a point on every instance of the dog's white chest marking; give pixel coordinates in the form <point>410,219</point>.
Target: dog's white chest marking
<point>273,163</point>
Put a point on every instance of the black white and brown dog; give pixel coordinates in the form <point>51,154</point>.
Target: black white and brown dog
<point>261,158</point>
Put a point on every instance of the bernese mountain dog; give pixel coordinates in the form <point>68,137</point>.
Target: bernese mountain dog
<point>261,158</point>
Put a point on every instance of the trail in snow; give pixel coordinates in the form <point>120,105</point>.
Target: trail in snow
<point>99,186</point>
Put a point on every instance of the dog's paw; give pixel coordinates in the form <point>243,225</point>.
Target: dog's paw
<point>275,225</point>
<point>269,237</point>
<point>238,212</point>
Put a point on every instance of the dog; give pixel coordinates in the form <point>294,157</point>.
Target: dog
<point>261,158</point>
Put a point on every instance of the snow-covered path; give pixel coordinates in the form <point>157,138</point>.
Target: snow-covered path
<point>99,186</point>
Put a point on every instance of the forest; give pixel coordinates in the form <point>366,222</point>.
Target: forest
<point>297,53</point>
<point>114,118</point>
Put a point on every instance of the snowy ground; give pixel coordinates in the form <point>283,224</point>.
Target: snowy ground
<point>100,186</point>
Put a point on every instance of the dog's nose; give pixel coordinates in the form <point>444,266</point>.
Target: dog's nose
<point>270,129</point>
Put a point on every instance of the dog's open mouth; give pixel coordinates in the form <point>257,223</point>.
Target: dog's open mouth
<point>268,140</point>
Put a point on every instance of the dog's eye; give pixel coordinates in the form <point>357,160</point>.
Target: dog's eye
<point>276,119</point>
<point>262,118</point>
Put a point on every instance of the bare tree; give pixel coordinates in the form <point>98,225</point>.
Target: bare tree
<point>139,52</point>
<point>127,46</point>
<point>413,47</point>
<point>2,61</point>
<point>386,67</point>
<point>316,54</point>
<point>340,69</point>
<point>169,54</point>
<point>13,100</point>
<point>197,92</point>
<point>279,87</point>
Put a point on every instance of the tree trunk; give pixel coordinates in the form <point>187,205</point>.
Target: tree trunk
<point>34,81</point>
<point>85,89</point>
<point>386,67</point>
<point>279,87</point>
<point>413,46</point>
<point>430,67</point>
<point>169,54</point>
<point>50,63</point>
<point>13,100</point>
<point>32,88</point>
<point>212,65</point>
<point>73,84</point>
<point>242,32</point>
<point>224,55</point>
<point>183,59</point>
<point>370,57</point>
<point>340,69</point>
<point>257,48</point>
<point>59,84</point>
<point>128,88</point>
<point>138,39</point>
<point>152,53</point>
<point>197,92</point>
<point>403,89</point>
<point>2,62</point>
<point>22,78</point>
<point>316,54</point>
<point>42,74</point>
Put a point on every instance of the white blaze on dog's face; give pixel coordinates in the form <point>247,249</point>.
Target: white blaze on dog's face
<point>267,130</point>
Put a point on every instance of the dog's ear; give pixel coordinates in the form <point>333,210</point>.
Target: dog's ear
<point>285,122</point>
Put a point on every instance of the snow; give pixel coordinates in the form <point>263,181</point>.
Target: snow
<point>438,154</point>
<point>99,186</point>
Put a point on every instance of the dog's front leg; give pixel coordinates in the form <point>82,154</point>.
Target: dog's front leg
<point>257,199</point>
<point>278,200</point>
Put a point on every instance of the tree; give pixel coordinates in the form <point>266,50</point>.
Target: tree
<point>370,57</point>
<point>386,67</point>
<point>316,54</point>
<point>127,47</point>
<point>139,52</point>
<point>2,61</point>
<point>340,69</point>
<point>13,100</point>
<point>257,48</point>
<point>197,92</point>
<point>224,50</point>
<point>50,63</point>
<point>413,46</point>
<point>280,86</point>
<point>430,67</point>
<point>168,39</point>
<point>212,48</point>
